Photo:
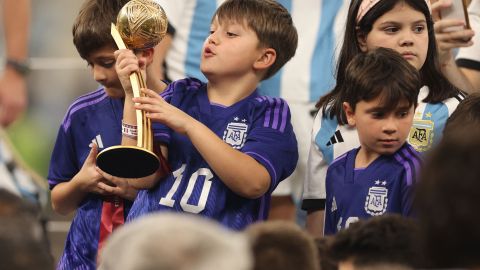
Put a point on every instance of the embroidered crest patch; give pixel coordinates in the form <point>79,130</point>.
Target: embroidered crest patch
<point>235,134</point>
<point>376,201</point>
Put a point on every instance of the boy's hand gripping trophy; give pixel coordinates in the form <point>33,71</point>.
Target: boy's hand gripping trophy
<point>140,24</point>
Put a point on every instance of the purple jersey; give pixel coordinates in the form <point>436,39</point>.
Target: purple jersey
<point>385,186</point>
<point>257,126</point>
<point>92,117</point>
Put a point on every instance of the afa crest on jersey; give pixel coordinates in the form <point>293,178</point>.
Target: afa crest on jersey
<point>236,133</point>
<point>421,135</point>
<point>376,201</point>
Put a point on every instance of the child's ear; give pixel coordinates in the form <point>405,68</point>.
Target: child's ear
<point>146,56</point>
<point>349,113</point>
<point>362,41</point>
<point>266,59</point>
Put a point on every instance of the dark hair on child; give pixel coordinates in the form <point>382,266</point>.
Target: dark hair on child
<point>389,239</point>
<point>91,29</point>
<point>381,73</point>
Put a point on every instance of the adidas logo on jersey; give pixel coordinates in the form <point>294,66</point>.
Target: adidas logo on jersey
<point>336,138</point>
<point>98,140</point>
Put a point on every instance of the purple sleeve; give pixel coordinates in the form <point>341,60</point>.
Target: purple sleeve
<point>162,133</point>
<point>411,163</point>
<point>330,218</point>
<point>406,197</point>
<point>63,165</point>
<point>272,141</point>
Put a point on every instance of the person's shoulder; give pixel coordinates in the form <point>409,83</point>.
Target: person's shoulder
<point>450,103</point>
<point>273,111</point>
<point>272,103</point>
<point>83,104</point>
<point>341,160</point>
<point>408,159</point>
<point>455,99</point>
<point>185,86</point>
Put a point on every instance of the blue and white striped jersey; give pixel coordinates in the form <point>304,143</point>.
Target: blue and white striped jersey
<point>310,73</point>
<point>258,126</point>
<point>191,20</point>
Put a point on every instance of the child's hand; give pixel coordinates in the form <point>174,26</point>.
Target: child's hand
<point>159,110</point>
<point>126,64</point>
<point>117,186</point>
<point>88,178</point>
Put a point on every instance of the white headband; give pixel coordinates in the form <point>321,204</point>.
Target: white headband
<point>366,5</point>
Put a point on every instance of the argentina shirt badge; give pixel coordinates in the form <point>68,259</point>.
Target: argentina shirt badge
<point>236,133</point>
<point>421,134</point>
<point>377,199</point>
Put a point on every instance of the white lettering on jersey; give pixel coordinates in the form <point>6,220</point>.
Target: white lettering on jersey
<point>203,196</point>
<point>202,201</point>
<point>349,221</point>
<point>177,174</point>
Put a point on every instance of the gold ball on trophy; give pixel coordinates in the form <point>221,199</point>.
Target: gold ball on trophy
<point>142,24</point>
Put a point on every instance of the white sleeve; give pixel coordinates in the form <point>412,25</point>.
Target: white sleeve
<point>314,184</point>
<point>327,143</point>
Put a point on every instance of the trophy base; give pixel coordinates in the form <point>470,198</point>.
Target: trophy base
<point>128,161</point>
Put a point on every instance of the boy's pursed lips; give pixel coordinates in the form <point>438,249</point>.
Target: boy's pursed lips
<point>208,52</point>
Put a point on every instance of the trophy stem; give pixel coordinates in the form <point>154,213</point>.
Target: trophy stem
<point>131,161</point>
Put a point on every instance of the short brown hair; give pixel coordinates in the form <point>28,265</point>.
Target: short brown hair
<point>381,73</point>
<point>270,21</point>
<point>91,29</point>
<point>282,245</point>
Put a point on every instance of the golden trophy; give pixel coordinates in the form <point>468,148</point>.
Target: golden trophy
<point>141,24</point>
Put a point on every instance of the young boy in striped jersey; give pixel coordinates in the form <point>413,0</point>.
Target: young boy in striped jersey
<point>378,177</point>
<point>228,146</point>
<point>75,181</point>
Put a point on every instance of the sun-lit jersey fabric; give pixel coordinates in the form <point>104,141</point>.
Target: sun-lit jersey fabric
<point>310,73</point>
<point>258,126</point>
<point>191,21</point>
<point>92,117</point>
<point>330,140</point>
<point>384,186</point>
